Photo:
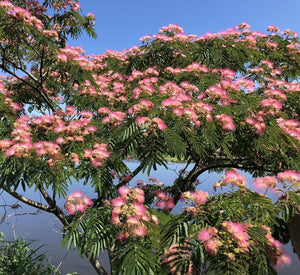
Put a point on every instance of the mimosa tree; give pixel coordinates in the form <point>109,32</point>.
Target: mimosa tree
<point>227,101</point>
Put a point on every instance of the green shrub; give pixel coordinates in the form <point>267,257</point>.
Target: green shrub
<point>16,257</point>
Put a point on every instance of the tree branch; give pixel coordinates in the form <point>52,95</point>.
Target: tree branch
<point>28,201</point>
<point>183,185</point>
<point>133,174</point>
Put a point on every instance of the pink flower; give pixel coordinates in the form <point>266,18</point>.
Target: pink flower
<point>290,176</point>
<point>142,119</point>
<point>243,25</point>
<point>118,202</point>
<point>226,122</point>
<point>272,28</point>
<point>6,5</point>
<point>206,234</point>
<point>212,246</point>
<point>103,110</point>
<point>155,219</point>
<point>146,37</point>
<point>161,125</point>
<point>86,114</point>
<point>124,191</point>
<point>284,259</point>
<point>140,231</point>
<point>171,102</point>
<point>234,178</point>
<point>77,202</point>
<point>114,117</point>
<point>133,220</point>
<point>91,16</point>
<point>122,236</point>
<point>265,182</point>
<point>272,103</point>
<point>139,209</point>
<point>138,195</point>
<point>238,232</point>
<point>164,201</point>
<point>200,197</point>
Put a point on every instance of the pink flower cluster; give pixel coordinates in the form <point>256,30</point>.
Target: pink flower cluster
<point>268,182</point>
<point>239,234</point>
<point>290,179</point>
<point>234,236</point>
<point>22,14</point>
<point>77,202</point>
<point>289,176</point>
<point>290,126</point>
<point>233,178</point>
<point>196,198</point>
<point>164,201</point>
<point>129,213</point>
<point>199,197</point>
<point>153,123</point>
<point>226,122</point>
<point>257,122</point>
<point>72,54</point>
<point>276,255</point>
<point>21,143</point>
<point>212,244</point>
<point>97,155</point>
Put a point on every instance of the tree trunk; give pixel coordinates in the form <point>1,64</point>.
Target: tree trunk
<point>294,229</point>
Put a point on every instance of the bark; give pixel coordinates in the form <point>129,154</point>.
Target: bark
<point>294,229</point>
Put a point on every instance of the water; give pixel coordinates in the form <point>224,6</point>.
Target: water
<point>44,228</point>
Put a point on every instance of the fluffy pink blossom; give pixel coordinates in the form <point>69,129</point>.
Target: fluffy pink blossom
<point>206,234</point>
<point>199,197</point>
<point>271,103</point>
<point>243,25</point>
<point>265,182</point>
<point>283,260</point>
<point>129,212</point>
<point>97,155</point>
<point>257,122</point>
<point>140,231</point>
<point>289,176</point>
<point>142,119</point>
<point>77,202</point>
<point>272,28</point>
<point>212,246</point>
<point>164,201</point>
<point>124,191</point>
<point>226,122</point>
<point>86,114</point>
<point>234,178</point>
<point>238,232</point>
<point>122,236</point>
<point>114,117</point>
<point>160,124</point>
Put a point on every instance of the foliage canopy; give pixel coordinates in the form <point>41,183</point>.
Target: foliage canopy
<point>217,102</point>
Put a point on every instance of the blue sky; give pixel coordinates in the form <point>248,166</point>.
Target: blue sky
<point>120,23</point>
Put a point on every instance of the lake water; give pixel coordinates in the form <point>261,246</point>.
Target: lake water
<point>44,228</point>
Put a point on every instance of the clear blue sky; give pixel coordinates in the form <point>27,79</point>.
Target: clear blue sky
<point>120,23</point>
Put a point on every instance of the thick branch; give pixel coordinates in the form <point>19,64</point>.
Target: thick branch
<point>133,174</point>
<point>28,201</point>
<point>184,184</point>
